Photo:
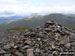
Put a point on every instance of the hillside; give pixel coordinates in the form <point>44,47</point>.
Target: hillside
<point>37,20</point>
<point>6,19</point>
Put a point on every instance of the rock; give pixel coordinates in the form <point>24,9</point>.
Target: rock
<point>50,55</point>
<point>53,47</point>
<point>55,53</point>
<point>67,45</point>
<point>73,44</point>
<point>39,39</point>
<point>49,23</point>
<point>62,42</point>
<point>2,51</point>
<point>30,52</point>
<point>37,50</point>
<point>40,35</point>
<point>7,46</point>
<point>28,41</point>
<point>26,47</point>
<point>15,46</point>
<point>32,34</point>
<point>7,54</point>
<point>12,44</point>
<point>48,30</point>
<point>18,53</point>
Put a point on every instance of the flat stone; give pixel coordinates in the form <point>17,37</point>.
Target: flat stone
<point>7,46</point>
<point>30,52</point>
<point>18,53</point>
<point>67,45</point>
<point>25,47</point>
<point>15,47</point>
<point>40,35</point>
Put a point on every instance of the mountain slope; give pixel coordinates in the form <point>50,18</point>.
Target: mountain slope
<point>6,19</point>
<point>40,20</point>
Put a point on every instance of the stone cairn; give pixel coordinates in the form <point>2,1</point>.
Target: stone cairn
<point>51,39</point>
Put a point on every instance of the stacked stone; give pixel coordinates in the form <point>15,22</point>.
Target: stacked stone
<point>47,40</point>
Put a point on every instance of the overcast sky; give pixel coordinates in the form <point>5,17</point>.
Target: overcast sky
<point>21,7</point>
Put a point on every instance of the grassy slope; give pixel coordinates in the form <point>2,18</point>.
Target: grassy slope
<point>71,27</point>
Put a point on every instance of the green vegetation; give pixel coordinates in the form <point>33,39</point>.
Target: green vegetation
<point>19,29</point>
<point>38,20</point>
<point>71,27</point>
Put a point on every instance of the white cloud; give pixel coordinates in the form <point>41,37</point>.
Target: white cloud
<point>21,7</point>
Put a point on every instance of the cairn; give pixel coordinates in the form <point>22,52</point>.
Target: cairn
<point>51,39</point>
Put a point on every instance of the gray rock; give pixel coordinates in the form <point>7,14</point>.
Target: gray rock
<point>67,45</point>
<point>2,51</point>
<point>28,41</point>
<point>50,55</point>
<point>7,54</point>
<point>7,46</point>
<point>30,52</point>
<point>18,53</point>
<point>40,35</point>
<point>37,50</point>
<point>15,46</point>
<point>39,39</point>
<point>26,46</point>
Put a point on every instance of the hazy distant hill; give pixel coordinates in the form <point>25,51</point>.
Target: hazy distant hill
<point>6,19</point>
<point>37,20</point>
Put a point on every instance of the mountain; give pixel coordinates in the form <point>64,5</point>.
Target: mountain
<point>6,19</point>
<point>37,20</point>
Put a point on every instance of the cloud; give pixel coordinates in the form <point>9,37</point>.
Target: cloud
<point>21,7</point>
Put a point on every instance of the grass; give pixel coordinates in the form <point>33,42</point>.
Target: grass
<point>71,27</point>
<point>20,29</point>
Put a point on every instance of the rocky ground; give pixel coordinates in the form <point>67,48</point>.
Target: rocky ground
<point>51,39</point>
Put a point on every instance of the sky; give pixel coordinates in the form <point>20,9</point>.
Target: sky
<point>27,7</point>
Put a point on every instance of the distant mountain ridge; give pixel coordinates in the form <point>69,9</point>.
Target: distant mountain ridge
<point>37,20</point>
<point>6,19</point>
